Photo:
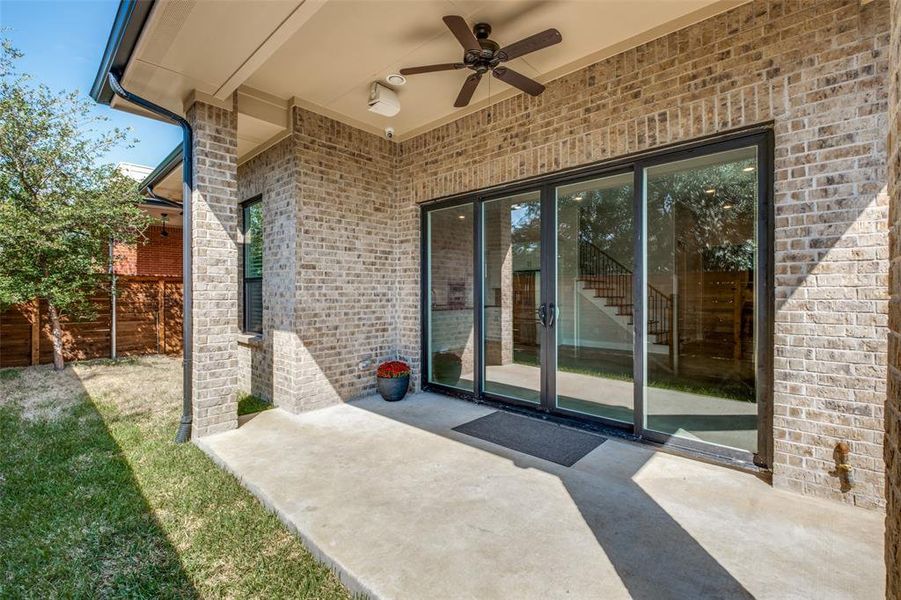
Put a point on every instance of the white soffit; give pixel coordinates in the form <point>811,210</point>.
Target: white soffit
<point>323,54</point>
<point>329,64</point>
<point>170,186</point>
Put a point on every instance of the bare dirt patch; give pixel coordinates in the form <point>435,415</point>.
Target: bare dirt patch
<point>134,385</point>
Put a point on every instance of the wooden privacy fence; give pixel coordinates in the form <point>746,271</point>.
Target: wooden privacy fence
<point>148,321</point>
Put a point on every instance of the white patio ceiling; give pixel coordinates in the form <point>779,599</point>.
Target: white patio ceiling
<point>323,54</point>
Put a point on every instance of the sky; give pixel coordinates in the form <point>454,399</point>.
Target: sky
<point>62,43</point>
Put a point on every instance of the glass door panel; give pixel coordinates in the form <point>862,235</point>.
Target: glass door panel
<point>594,328</point>
<point>450,294</point>
<point>701,305</point>
<point>511,296</point>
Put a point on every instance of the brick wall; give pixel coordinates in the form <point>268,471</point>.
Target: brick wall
<point>893,403</point>
<point>157,255</point>
<point>269,365</point>
<point>328,264</point>
<point>817,72</point>
<point>215,268</point>
<point>346,276</point>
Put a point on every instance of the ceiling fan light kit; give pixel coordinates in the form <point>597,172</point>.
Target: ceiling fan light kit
<point>481,55</point>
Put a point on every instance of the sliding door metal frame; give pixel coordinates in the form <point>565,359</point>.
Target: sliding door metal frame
<point>639,320</point>
<point>763,299</point>
<point>548,298</point>
<point>765,296</point>
<point>760,136</point>
<point>478,301</point>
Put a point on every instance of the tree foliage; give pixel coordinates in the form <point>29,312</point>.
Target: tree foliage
<point>59,205</point>
<point>704,216</point>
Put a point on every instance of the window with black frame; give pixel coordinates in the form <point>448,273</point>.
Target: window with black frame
<point>253,265</point>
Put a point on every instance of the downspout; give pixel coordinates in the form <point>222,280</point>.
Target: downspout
<point>184,428</point>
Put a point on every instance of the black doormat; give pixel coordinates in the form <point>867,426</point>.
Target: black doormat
<point>535,437</point>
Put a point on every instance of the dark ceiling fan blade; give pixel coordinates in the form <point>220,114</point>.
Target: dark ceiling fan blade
<point>530,44</point>
<point>468,89</point>
<point>518,80</point>
<point>432,68</point>
<point>463,33</point>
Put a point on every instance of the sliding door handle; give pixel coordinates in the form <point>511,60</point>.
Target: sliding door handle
<point>542,315</point>
<point>552,315</point>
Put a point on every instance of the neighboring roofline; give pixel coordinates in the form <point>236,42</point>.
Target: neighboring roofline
<point>127,26</point>
<point>160,202</point>
<point>162,170</point>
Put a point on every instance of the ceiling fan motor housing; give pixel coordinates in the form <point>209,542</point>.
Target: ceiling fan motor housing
<point>488,58</point>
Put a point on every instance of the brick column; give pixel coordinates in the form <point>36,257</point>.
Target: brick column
<point>499,276</point>
<point>892,445</point>
<point>215,270</point>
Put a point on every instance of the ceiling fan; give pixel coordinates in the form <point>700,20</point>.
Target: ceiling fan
<point>481,55</point>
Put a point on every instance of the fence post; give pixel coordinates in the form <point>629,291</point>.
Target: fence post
<point>161,319</point>
<point>112,310</point>
<point>112,300</point>
<point>35,331</point>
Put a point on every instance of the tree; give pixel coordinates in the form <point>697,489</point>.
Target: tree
<point>60,208</point>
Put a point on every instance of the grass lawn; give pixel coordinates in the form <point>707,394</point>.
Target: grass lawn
<point>96,501</point>
<point>248,405</point>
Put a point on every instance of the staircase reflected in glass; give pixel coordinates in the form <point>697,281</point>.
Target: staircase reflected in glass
<point>595,324</point>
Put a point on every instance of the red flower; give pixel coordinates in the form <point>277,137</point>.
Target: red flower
<point>393,369</point>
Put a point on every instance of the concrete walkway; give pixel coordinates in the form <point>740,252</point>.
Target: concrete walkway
<point>404,507</point>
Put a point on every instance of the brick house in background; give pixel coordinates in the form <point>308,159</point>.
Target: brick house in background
<point>684,237</point>
<point>160,255</point>
<point>147,304</point>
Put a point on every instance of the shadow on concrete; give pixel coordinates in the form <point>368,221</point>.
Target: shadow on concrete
<point>655,557</point>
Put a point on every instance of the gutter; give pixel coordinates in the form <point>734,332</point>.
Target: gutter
<point>127,26</point>
<point>160,202</point>
<point>184,428</point>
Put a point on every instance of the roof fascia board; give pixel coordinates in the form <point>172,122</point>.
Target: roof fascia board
<point>127,27</point>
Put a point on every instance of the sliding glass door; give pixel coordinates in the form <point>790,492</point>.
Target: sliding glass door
<point>512,329</point>
<point>636,296</point>
<point>702,257</point>
<point>595,266</point>
<point>449,301</point>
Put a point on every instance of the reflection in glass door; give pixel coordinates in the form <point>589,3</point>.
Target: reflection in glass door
<point>701,301</point>
<point>449,235</point>
<point>511,297</point>
<point>594,297</point>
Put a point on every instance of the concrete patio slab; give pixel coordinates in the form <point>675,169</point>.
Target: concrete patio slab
<point>404,507</point>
